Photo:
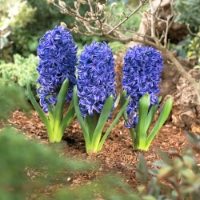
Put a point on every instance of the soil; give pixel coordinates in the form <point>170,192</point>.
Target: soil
<point>117,156</point>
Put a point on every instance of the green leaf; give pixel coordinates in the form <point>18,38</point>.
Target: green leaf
<point>159,99</point>
<point>161,120</point>
<point>148,197</point>
<point>91,124</point>
<point>80,118</point>
<point>133,134</point>
<point>60,101</point>
<point>37,107</point>
<point>122,102</point>
<point>105,113</point>
<point>141,134</point>
<point>150,116</point>
<point>51,120</point>
<point>69,116</point>
<point>113,124</point>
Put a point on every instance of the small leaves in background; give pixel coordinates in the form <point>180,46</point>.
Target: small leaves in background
<point>21,71</point>
<point>12,97</point>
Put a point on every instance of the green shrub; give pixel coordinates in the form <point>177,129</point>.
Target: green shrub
<point>182,47</point>
<point>14,15</point>
<point>194,49</point>
<point>28,167</point>
<point>188,12</point>
<point>11,98</point>
<point>26,21</point>
<point>173,178</point>
<point>22,71</point>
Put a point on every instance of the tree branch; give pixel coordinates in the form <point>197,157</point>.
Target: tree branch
<point>126,18</point>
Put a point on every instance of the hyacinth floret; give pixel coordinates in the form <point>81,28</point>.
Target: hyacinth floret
<point>141,74</point>
<point>96,77</point>
<point>57,53</point>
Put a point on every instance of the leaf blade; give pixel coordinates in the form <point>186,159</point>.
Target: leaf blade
<point>69,116</point>
<point>161,120</point>
<point>37,107</point>
<point>79,117</point>
<point>61,100</point>
<point>115,121</point>
<point>141,134</point>
<point>105,113</point>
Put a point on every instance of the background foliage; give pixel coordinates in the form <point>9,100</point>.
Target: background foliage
<point>11,98</point>
<point>21,71</point>
<point>188,12</point>
<point>194,49</point>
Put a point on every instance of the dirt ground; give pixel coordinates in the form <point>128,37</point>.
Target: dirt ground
<point>117,155</point>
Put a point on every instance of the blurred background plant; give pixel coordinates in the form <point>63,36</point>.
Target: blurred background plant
<point>188,13</point>
<point>194,50</point>
<point>15,15</point>
<point>174,177</point>
<point>11,98</point>
<point>21,71</point>
<point>28,168</point>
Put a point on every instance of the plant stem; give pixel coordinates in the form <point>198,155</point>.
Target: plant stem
<point>56,133</point>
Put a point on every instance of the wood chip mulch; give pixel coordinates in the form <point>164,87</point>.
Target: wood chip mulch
<point>117,155</point>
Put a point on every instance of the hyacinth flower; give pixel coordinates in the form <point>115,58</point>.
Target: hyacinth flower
<point>95,97</point>
<point>57,53</point>
<point>141,77</point>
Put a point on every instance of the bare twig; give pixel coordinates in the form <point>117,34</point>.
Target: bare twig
<point>90,5</point>
<point>169,23</point>
<point>126,18</point>
<point>153,13</point>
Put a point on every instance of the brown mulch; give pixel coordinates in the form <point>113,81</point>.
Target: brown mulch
<point>117,155</point>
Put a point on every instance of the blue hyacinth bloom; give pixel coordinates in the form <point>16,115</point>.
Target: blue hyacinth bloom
<point>96,77</point>
<point>141,74</point>
<point>57,53</point>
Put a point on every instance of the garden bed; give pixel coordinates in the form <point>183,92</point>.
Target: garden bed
<point>117,156</point>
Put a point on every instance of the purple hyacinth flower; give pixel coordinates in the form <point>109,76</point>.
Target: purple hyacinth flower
<point>141,74</point>
<point>96,77</point>
<point>57,53</point>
